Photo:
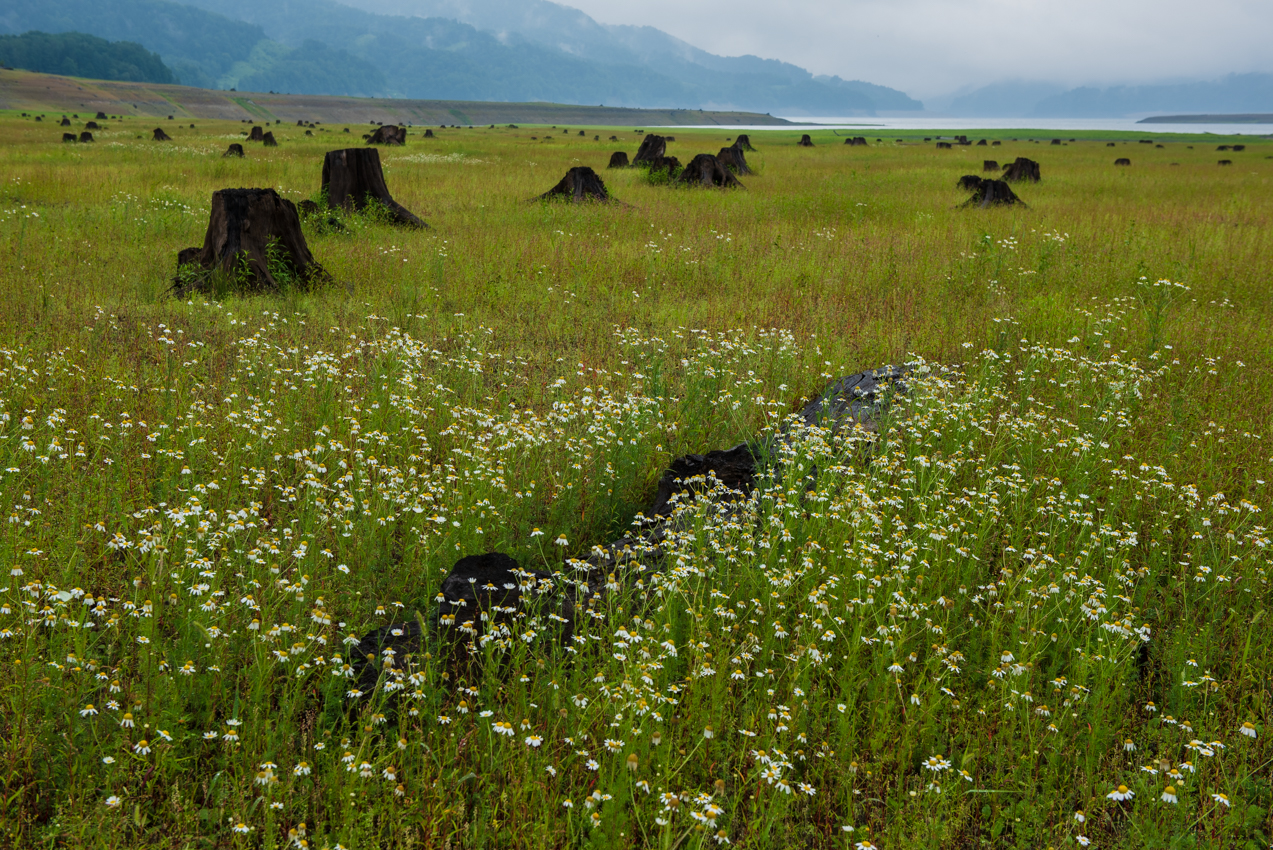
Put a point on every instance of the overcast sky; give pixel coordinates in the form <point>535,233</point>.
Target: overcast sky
<point>932,47</point>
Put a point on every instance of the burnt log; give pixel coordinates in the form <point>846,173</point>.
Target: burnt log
<point>653,147</point>
<point>268,140</point>
<point>257,135</point>
<point>86,136</point>
<point>68,137</point>
<point>581,183</point>
<point>618,159</point>
<point>1022,169</point>
<point>161,136</point>
<point>733,159</point>
<point>388,134</point>
<point>707,170</point>
<point>1122,160</point>
<point>989,165</point>
<point>991,193</point>
<point>101,116</point>
<point>352,178</point>
<point>235,149</point>
<point>805,141</point>
<point>254,238</point>
<point>743,142</point>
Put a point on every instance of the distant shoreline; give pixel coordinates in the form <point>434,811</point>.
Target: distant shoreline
<point>28,91</point>
<point>1243,118</point>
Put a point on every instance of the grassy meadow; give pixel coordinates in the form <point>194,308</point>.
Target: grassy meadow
<point>1031,613</point>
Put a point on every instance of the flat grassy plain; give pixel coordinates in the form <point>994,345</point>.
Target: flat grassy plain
<point>1030,613</point>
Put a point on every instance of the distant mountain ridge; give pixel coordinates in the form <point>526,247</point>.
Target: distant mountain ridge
<point>325,47</point>
<point>1234,93</point>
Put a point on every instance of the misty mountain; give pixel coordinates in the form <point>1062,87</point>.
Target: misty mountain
<point>1232,94</point>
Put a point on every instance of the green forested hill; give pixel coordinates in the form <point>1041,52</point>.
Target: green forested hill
<point>75,54</point>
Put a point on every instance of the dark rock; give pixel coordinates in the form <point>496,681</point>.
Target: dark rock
<point>618,159</point>
<point>992,193</point>
<point>805,141</point>
<point>161,136</point>
<point>253,236</point>
<point>733,159</point>
<point>653,147</point>
<point>581,183</point>
<point>707,170</point>
<point>353,176</point>
<point>1122,160</point>
<point>1022,169</point>
<point>388,134</point>
<point>989,165</point>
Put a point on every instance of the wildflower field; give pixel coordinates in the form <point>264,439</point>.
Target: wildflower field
<point>1031,611</point>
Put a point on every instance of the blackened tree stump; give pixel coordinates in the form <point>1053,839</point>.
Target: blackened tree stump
<point>805,141</point>
<point>268,140</point>
<point>1122,160</point>
<point>733,159</point>
<point>670,164</point>
<point>352,178</point>
<point>92,125</point>
<point>653,147</point>
<point>235,149</point>
<point>618,159</point>
<point>581,183</point>
<point>989,193</point>
<point>254,242</point>
<point>1226,162</point>
<point>257,135</point>
<point>981,142</point>
<point>943,146</point>
<point>428,134</point>
<point>388,134</point>
<point>66,122</point>
<point>969,182</point>
<point>101,116</point>
<point>1022,169</point>
<point>707,170</point>
<point>856,141</point>
<point>161,136</point>
<point>68,137</point>
<point>989,165</point>
<point>86,136</point>
<point>743,142</point>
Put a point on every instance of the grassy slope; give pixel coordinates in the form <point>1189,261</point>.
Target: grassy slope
<point>862,257</point>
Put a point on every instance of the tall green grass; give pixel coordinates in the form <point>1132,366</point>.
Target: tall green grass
<point>1043,581</point>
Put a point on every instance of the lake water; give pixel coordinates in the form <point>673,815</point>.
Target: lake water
<point>865,126</point>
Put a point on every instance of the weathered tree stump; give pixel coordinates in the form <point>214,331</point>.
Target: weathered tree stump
<point>101,116</point>
<point>943,146</point>
<point>981,142</point>
<point>618,159</point>
<point>1224,147</point>
<point>254,239</point>
<point>989,165</point>
<point>990,193</point>
<point>733,159</point>
<point>1122,160</point>
<point>1110,145</point>
<point>1226,162</point>
<point>257,134</point>
<point>86,136</point>
<point>1056,141</point>
<point>743,142</point>
<point>856,141</point>
<point>235,149</point>
<point>614,138</point>
<point>161,136</point>
<point>805,141</point>
<point>268,140</point>
<point>1237,148</point>
<point>653,147</point>
<point>388,134</point>
<point>66,122</point>
<point>969,182</point>
<point>1022,169</point>
<point>428,134</point>
<point>352,178</point>
<point>707,170</point>
<point>92,125</point>
<point>581,183</point>
<point>68,137</point>
<point>670,164</point>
